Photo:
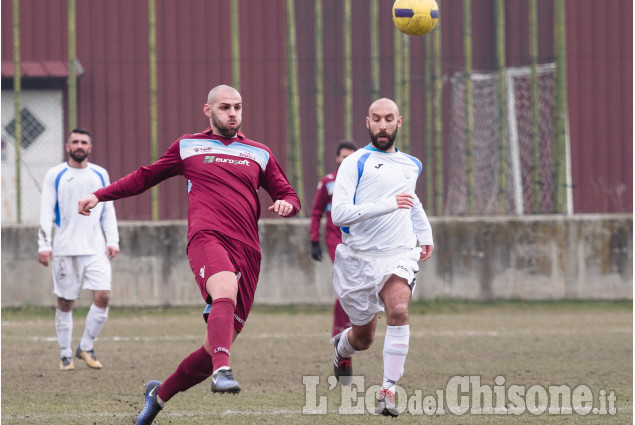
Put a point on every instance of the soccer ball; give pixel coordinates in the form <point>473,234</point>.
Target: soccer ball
<point>415,17</point>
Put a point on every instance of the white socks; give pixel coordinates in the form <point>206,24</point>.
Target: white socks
<point>395,352</point>
<point>396,346</point>
<point>344,347</point>
<point>95,320</point>
<point>64,330</point>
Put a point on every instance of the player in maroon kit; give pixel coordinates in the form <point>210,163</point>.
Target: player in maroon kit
<point>224,170</point>
<point>332,233</point>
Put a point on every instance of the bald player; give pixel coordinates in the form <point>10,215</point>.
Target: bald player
<point>223,170</point>
<point>385,233</point>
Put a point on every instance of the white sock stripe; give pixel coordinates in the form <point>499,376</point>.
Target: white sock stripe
<point>398,330</point>
<point>397,340</point>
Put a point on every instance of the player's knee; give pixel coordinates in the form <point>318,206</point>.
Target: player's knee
<point>65,305</point>
<point>102,299</point>
<point>363,342</point>
<point>398,315</point>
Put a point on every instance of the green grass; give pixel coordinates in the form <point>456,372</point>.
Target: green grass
<point>529,343</point>
<point>436,306</point>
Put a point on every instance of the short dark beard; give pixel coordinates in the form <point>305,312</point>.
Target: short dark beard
<point>78,158</point>
<point>384,146</point>
<point>224,131</point>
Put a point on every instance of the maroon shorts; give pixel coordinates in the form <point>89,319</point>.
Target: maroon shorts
<point>211,252</point>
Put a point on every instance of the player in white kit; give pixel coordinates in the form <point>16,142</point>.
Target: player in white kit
<point>385,232</point>
<point>80,253</point>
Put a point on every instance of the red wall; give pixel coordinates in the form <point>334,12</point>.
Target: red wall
<point>194,54</point>
<point>600,84</point>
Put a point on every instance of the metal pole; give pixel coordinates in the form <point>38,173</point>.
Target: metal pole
<point>502,128</point>
<point>17,89</point>
<point>535,118</point>
<point>404,107</point>
<point>348,72</point>
<point>374,47</point>
<point>560,105</point>
<point>235,45</point>
<point>319,87</point>
<point>293,104</point>
<point>428,99</point>
<point>469,108</point>
<point>72,65</point>
<point>154,120</point>
<point>437,78</point>
<point>397,65</point>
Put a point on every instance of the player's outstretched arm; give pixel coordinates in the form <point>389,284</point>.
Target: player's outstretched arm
<point>86,204</point>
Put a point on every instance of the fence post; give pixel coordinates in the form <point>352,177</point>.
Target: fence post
<point>560,105</point>
<point>154,120</point>
<point>72,66</point>
<point>17,89</point>
<point>293,105</point>
<point>469,107</point>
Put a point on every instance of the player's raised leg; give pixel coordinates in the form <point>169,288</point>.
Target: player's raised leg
<point>223,288</point>
<point>340,319</point>
<point>152,405</point>
<point>353,339</point>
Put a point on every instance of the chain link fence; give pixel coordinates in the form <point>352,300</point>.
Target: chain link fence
<point>525,173</point>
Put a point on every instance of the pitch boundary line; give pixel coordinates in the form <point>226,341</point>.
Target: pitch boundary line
<point>287,335</point>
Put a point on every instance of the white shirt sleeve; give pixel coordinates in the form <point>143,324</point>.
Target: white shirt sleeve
<point>344,211</point>
<point>47,213</point>
<point>422,227</point>
<point>109,220</point>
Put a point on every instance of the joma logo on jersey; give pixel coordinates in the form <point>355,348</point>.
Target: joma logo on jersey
<point>211,158</point>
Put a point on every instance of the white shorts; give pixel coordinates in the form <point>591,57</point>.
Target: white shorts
<point>359,277</point>
<point>69,272</point>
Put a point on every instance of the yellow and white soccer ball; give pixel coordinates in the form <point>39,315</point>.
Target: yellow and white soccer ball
<point>415,17</point>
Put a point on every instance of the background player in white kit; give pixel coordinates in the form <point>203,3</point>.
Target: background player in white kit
<point>79,253</point>
<point>382,220</point>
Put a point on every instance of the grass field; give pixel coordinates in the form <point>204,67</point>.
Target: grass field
<point>529,344</point>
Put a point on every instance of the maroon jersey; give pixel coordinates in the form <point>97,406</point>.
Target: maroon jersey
<point>223,176</point>
<point>322,205</point>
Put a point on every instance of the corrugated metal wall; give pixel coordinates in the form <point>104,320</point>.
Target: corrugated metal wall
<point>600,83</point>
<point>194,54</point>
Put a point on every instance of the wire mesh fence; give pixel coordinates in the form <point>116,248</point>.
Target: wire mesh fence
<point>477,174</point>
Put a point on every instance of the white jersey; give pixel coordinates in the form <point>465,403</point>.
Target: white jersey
<point>364,202</point>
<point>75,234</point>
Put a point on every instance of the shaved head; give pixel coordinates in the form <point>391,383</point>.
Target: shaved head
<point>384,104</point>
<point>219,91</point>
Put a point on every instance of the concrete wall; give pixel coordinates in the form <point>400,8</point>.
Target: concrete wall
<point>535,257</point>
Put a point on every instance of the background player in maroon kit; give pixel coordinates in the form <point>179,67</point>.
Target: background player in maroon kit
<point>224,170</point>
<point>332,233</point>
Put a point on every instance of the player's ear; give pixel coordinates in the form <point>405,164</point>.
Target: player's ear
<point>367,122</point>
<point>207,110</point>
<point>399,121</point>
